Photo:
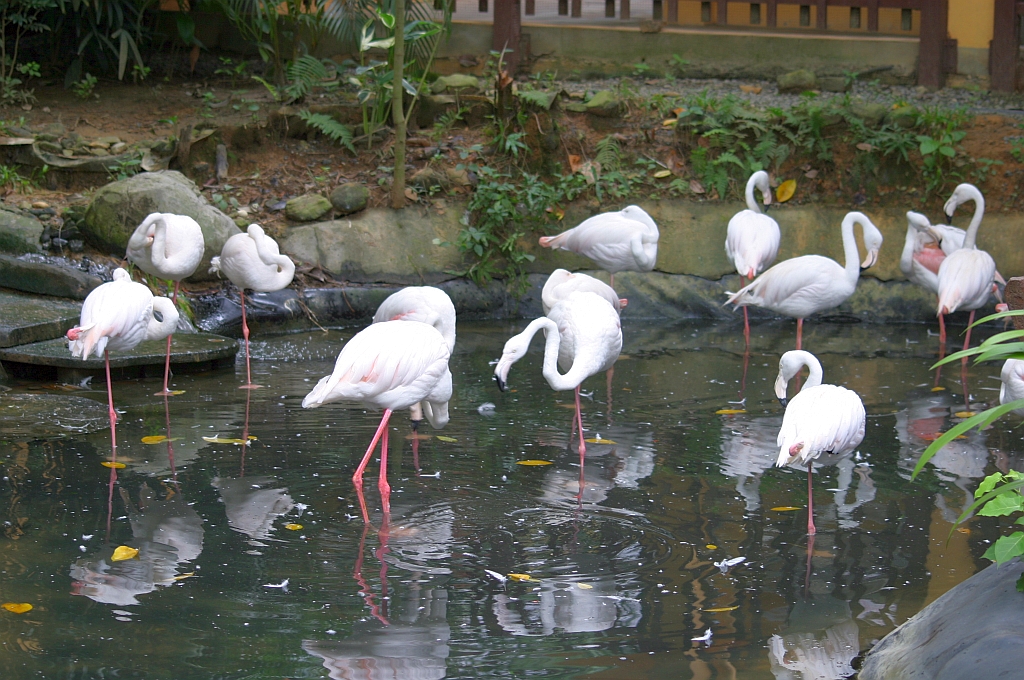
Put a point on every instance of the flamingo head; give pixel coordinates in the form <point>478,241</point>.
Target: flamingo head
<point>962,194</point>
<point>515,349</point>
<point>74,333</point>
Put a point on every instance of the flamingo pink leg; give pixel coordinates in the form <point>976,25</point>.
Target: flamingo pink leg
<point>746,316</point>
<point>942,335</point>
<point>357,476</point>
<point>382,482</point>
<point>799,333</point>
<point>110,406</point>
<point>166,392</point>
<point>583,445</point>
<point>245,334</point>
<point>810,503</point>
<point>967,340</point>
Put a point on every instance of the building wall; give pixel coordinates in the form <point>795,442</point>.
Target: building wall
<point>970,22</point>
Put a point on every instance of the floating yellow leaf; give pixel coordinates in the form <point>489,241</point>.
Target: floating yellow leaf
<point>938,389</point>
<point>293,526</point>
<point>109,464</point>
<point>175,393</point>
<point>226,440</point>
<point>447,439</point>
<point>963,414</point>
<point>786,508</point>
<point>533,462</point>
<point>17,607</point>
<point>182,577</point>
<point>598,440</point>
<point>123,552</point>
<point>785,191</point>
<point>670,122</point>
<point>729,411</point>
<point>585,586</point>
<point>964,530</point>
<point>522,577</point>
<point>720,609</point>
<point>154,439</point>
<point>711,546</point>
<point>663,173</point>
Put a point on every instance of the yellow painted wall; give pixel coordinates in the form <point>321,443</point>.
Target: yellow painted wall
<point>970,22</point>
<point>738,14</point>
<point>788,16</point>
<point>890,20</point>
<point>689,12</point>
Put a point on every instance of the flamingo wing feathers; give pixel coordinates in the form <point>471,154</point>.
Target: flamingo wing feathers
<point>965,280</point>
<point>752,242</point>
<point>822,419</point>
<point>797,282</point>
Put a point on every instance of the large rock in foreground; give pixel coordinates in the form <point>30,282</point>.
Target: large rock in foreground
<point>976,630</point>
<point>118,208</point>
<point>19,231</point>
<point>380,245</point>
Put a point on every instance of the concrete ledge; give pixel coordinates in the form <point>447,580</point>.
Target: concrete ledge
<point>27,318</point>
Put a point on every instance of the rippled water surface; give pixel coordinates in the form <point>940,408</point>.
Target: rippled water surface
<point>620,583</point>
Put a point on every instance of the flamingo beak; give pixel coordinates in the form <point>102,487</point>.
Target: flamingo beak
<point>501,374</point>
<point>870,260</point>
<point>780,390</point>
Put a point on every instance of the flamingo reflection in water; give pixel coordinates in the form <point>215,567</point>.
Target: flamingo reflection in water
<point>167,532</point>
<point>820,641</point>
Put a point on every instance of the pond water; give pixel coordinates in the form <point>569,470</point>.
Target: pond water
<point>620,582</point>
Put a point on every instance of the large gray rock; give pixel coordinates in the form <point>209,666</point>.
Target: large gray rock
<point>604,104</point>
<point>118,208</point>
<point>976,630</point>
<point>19,232</point>
<point>307,208</point>
<point>797,81</point>
<point>380,245</point>
<point>45,279</point>
<point>349,198</point>
<point>456,82</point>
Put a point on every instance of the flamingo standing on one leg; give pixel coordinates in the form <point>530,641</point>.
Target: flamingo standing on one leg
<point>390,365</point>
<point>626,240</point>
<point>819,419</point>
<point>804,285</point>
<point>967,276</point>
<point>752,240</point>
<point>253,260</point>
<point>167,246</point>
<point>582,337</point>
<point>428,305</point>
<point>117,316</point>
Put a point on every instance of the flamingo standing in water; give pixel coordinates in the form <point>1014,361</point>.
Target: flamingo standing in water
<point>582,337</point>
<point>167,246</point>
<point>562,283</point>
<point>253,260</point>
<point>804,285</point>
<point>922,252</point>
<point>819,419</point>
<point>117,316</point>
<point>390,365</point>
<point>626,240</point>
<point>967,276</point>
<point>1012,379</point>
<point>752,239</point>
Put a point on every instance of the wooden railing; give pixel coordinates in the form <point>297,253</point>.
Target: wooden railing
<point>1004,52</point>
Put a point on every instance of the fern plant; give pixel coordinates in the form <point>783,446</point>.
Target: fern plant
<point>329,127</point>
<point>609,153</point>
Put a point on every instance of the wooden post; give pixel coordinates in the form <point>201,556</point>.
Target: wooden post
<point>397,110</point>
<point>531,8</point>
<point>931,44</point>
<point>872,6</point>
<point>577,8</point>
<point>773,14</point>
<point>672,13</point>
<point>506,33</point>
<point>624,9</point>
<point>822,12</point>
<point>1004,47</point>
<point>723,13</point>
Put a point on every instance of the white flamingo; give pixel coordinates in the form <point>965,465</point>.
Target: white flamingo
<point>1012,387</point>
<point>117,316</point>
<point>967,276</point>
<point>626,240</point>
<point>169,247</point>
<point>562,283</point>
<point>752,239</point>
<point>804,285</point>
<point>582,337</point>
<point>819,419</point>
<point>428,305</point>
<point>922,252</point>
<point>252,260</point>
<point>390,365</point>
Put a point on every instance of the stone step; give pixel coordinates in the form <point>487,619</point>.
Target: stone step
<point>51,360</point>
<point>31,318</point>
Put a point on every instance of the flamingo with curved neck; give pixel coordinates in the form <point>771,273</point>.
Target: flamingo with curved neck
<point>171,247</point>
<point>582,337</point>
<point>752,239</point>
<point>804,285</point>
<point>252,260</point>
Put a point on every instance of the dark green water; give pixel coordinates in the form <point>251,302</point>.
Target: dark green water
<point>623,580</point>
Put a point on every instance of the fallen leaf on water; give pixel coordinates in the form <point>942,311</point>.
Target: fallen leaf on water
<point>711,546</point>
<point>182,577</point>
<point>626,389</point>
<point>109,464</point>
<point>964,530</point>
<point>17,607</point>
<point>158,438</point>
<point>533,462</point>
<point>123,552</point>
<point>786,508</point>
<point>585,586</point>
<point>447,439</point>
<point>932,436</point>
<point>721,609</point>
<point>822,553</point>
<point>938,389</point>
<point>729,411</point>
<point>785,191</point>
<point>663,173</point>
<point>226,440</point>
<point>598,440</point>
<point>293,526</point>
<point>963,414</point>
<point>522,577</point>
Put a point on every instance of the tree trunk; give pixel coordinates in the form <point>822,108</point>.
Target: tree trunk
<point>397,108</point>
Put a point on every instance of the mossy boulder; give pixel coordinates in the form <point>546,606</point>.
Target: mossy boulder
<point>604,104</point>
<point>307,208</point>
<point>456,82</point>
<point>797,81</point>
<point>19,231</point>
<point>349,198</point>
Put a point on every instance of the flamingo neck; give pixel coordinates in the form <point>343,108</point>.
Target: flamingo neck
<point>751,200</point>
<point>852,266</point>
<point>979,213</point>
<point>576,374</point>
<point>158,250</point>
<point>156,330</point>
